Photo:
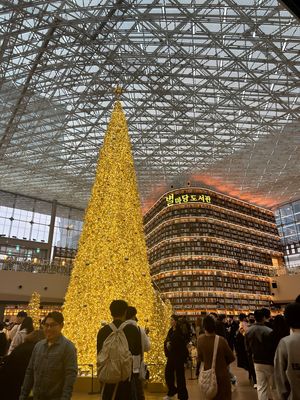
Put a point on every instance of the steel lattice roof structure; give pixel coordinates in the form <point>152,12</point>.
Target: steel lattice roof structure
<point>211,95</point>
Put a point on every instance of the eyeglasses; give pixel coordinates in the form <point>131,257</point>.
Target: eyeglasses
<point>50,326</point>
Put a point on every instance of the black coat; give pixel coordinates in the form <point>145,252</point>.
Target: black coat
<point>175,345</point>
<point>241,354</point>
<point>13,370</point>
<point>3,344</point>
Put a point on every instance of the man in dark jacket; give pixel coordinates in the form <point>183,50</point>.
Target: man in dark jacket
<point>259,348</point>
<point>126,389</point>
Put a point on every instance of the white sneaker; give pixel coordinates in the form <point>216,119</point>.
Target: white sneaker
<point>168,397</point>
<point>255,386</point>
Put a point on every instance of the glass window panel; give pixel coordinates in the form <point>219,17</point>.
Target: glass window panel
<point>40,233</point>
<point>56,237</point>
<point>286,210</point>
<point>6,211</point>
<point>291,239</point>
<point>61,222</point>
<point>24,230</point>
<point>14,229</point>
<point>4,226</point>
<point>44,233</point>
<point>297,217</point>
<point>296,206</point>
<point>60,237</point>
<point>41,218</point>
<point>35,232</point>
<point>73,240</point>
<point>75,225</point>
<point>289,230</point>
<point>20,229</point>
<point>288,220</point>
<point>23,215</point>
<point>277,213</point>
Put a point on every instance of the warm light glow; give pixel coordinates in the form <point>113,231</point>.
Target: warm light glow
<point>231,190</point>
<point>221,293</point>
<point>111,262</point>
<point>204,205</point>
<point>34,309</point>
<point>217,240</point>
<point>179,220</point>
<point>209,272</point>
<point>210,258</point>
<point>152,202</point>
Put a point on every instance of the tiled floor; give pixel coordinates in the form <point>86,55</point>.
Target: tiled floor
<point>243,391</point>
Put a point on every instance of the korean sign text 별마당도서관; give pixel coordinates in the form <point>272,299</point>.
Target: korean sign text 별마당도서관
<point>187,198</point>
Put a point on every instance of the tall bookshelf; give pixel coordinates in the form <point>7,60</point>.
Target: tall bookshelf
<point>211,252</point>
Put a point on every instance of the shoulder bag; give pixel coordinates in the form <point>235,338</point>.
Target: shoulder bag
<point>207,380</point>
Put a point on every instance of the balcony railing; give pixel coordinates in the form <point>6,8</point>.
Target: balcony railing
<point>42,266</point>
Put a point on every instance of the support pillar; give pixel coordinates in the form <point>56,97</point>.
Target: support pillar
<point>51,229</point>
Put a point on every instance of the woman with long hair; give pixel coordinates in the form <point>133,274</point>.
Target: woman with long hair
<point>25,328</point>
<point>280,329</point>
<point>176,352</point>
<point>14,366</point>
<point>224,357</point>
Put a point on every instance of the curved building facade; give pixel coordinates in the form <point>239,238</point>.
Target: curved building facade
<point>208,251</point>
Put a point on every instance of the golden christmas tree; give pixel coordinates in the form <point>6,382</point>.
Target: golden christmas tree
<point>34,309</point>
<point>111,262</point>
<point>159,326</point>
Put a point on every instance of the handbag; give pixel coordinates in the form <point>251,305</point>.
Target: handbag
<point>207,380</point>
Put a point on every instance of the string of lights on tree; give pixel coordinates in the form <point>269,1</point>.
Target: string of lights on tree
<point>34,309</point>
<point>111,262</point>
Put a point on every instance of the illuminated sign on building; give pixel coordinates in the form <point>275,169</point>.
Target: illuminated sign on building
<point>187,198</point>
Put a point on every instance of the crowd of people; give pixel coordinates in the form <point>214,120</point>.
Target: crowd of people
<point>43,363</point>
<point>267,347</point>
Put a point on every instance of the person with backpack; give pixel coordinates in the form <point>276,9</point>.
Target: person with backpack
<point>117,343</point>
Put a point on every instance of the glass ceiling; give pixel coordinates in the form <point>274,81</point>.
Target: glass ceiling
<point>211,95</point>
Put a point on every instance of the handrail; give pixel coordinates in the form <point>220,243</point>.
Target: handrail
<point>29,266</point>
